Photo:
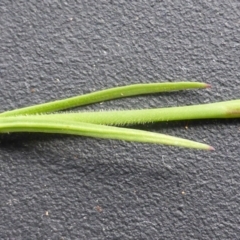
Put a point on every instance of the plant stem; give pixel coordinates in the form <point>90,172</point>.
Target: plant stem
<point>226,109</point>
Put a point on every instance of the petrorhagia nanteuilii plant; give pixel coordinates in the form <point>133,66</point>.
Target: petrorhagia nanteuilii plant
<point>39,118</point>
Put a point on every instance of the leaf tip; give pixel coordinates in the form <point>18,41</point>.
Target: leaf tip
<point>211,148</point>
<point>207,85</point>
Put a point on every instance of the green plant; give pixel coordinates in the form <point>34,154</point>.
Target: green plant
<point>39,118</point>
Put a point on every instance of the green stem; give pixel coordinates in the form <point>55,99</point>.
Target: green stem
<point>45,124</point>
<point>226,109</point>
<point>103,95</point>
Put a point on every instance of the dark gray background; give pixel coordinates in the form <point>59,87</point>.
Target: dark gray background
<point>66,187</point>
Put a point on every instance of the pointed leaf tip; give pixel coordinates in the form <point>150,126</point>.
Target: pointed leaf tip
<point>211,148</point>
<point>207,85</point>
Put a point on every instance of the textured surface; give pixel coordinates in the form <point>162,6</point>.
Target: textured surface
<point>58,187</point>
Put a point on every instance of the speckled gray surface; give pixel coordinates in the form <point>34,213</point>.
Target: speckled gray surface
<point>58,187</point>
